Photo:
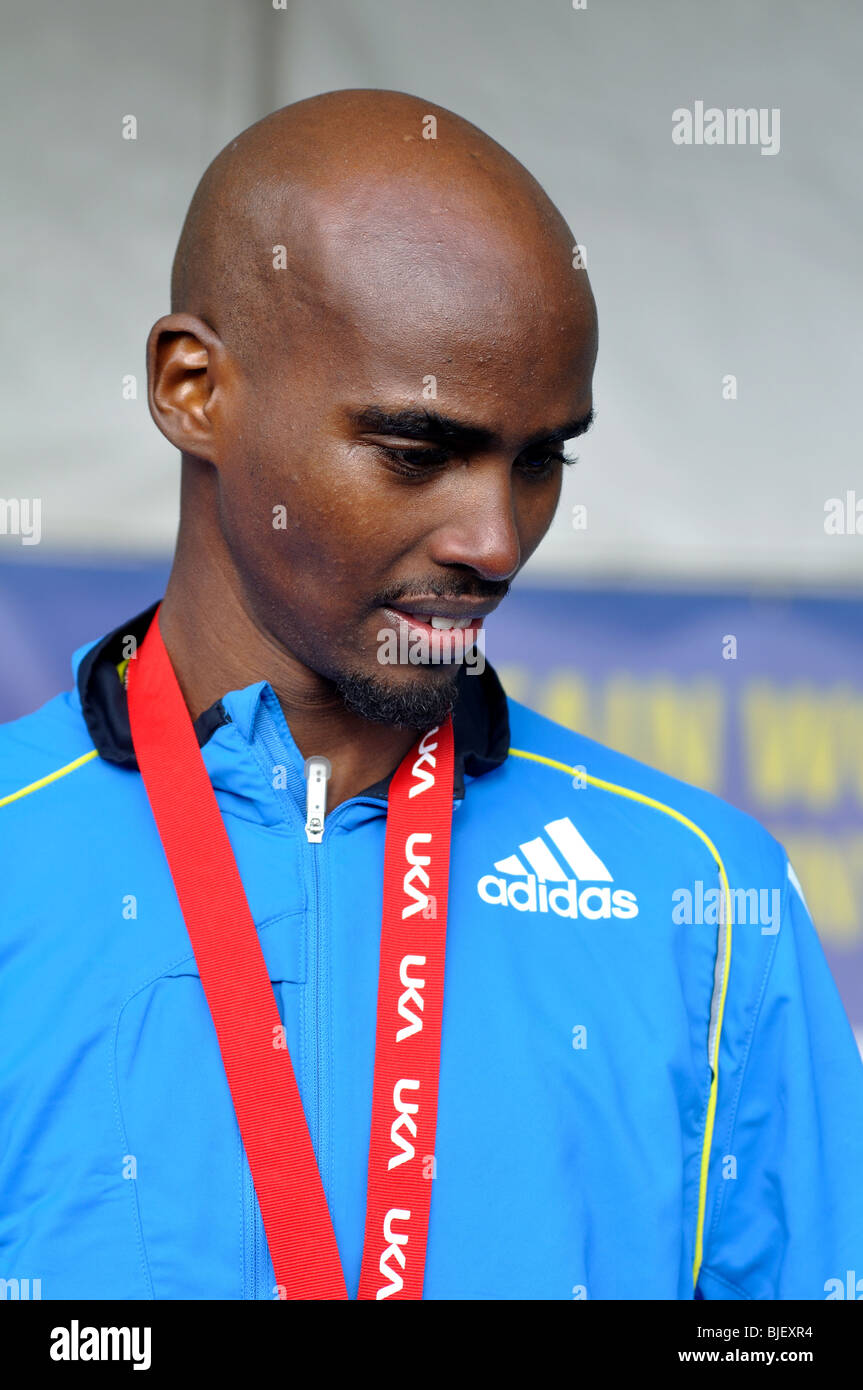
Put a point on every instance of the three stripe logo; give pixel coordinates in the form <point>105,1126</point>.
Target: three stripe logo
<point>560,874</point>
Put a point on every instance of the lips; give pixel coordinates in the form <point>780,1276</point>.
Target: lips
<point>436,625</point>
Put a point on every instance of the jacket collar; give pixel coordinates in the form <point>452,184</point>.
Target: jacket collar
<point>480,715</point>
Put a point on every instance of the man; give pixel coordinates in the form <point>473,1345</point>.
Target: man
<point>237,855</point>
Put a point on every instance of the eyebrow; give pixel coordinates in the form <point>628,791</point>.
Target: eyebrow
<point>430,426</point>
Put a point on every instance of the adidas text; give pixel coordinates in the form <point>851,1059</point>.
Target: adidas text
<point>565,879</point>
<point>567,899</point>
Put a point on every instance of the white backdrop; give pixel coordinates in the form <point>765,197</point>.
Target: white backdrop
<point>705,260</point>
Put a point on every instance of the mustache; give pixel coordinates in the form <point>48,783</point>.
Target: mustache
<point>435,588</point>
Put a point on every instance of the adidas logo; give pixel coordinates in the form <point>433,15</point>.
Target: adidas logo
<point>542,884</point>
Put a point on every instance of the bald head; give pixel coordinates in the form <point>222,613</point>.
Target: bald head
<point>378,346</point>
<point>349,199</point>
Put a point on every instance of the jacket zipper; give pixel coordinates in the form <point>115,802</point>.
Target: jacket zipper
<point>256,1239</point>
<point>317,770</point>
<point>317,774</point>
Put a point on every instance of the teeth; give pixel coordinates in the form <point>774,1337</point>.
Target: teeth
<point>442,624</point>
<point>445,624</point>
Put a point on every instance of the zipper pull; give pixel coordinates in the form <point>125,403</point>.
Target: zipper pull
<point>317,771</point>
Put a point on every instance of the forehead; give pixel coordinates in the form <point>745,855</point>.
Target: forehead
<point>489,313</point>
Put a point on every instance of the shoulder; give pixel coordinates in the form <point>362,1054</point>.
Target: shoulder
<point>50,743</point>
<point>542,750</point>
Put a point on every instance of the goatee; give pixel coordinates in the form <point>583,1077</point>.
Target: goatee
<point>419,705</point>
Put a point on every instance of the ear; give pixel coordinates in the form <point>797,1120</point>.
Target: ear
<point>188,370</point>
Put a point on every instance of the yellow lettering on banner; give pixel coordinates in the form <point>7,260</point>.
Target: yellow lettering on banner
<point>675,726</point>
<point>517,681</point>
<point>803,744</point>
<point>566,698</point>
<point>830,869</point>
<point>688,727</point>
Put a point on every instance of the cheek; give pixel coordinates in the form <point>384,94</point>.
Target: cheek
<point>536,512</point>
<point>313,533</point>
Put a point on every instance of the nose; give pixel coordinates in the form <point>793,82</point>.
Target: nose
<point>479,529</point>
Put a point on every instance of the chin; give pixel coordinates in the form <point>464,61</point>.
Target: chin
<point>418,702</point>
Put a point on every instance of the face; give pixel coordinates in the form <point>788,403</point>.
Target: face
<point>390,470</point>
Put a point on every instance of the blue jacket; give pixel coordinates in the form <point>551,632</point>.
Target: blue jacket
<point>586,1147</point>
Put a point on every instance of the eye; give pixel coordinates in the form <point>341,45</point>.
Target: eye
<point>417,461</point>
<point>542,465</point>
<point>414,462</point>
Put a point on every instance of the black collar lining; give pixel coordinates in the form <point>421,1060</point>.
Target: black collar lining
<point>480,716</point>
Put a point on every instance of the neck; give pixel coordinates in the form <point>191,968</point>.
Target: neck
<point>215,645</point>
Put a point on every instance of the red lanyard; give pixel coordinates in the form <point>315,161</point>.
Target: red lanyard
<point>234,975</point>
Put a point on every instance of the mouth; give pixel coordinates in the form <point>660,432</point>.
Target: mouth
<point>443,631</point>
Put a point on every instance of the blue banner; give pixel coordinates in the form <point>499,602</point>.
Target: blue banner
<point>758,699</point>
